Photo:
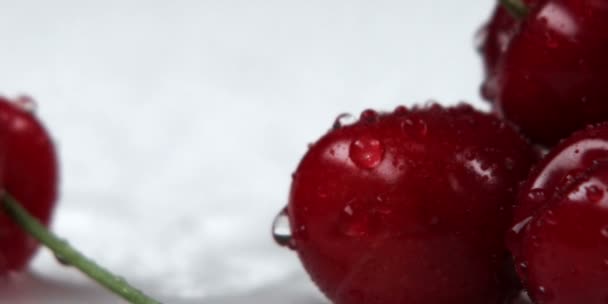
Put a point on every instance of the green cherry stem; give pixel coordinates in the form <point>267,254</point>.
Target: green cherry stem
<point>67,254</point>
<point>517,8</point>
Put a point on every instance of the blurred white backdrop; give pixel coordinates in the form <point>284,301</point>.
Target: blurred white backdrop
<point>179,123</point>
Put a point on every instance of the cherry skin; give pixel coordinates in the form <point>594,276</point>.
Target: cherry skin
<point>29,173</point>
<point>560,240</point>
<point>494,38</point>
<point>551,79</point>
<point>409,207</point>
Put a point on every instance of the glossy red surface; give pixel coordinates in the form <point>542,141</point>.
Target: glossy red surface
<point>560,240</point>
<point>410,207</point>
<point>552,78</point>
<point>29,173</point>
<point>493,40</point>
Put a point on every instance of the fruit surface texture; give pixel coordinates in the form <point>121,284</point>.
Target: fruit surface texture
<point>560,237</point>
<point>548,72</point>
<point>410,207</point>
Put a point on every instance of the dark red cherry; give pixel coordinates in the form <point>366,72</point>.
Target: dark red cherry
<point>29,173</point>
<point>494,38</point>
<point>409,207</point>
<point>560,236</point>
<point>552,78</point>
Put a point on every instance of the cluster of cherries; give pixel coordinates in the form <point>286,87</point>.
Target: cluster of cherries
<point>450,205</point>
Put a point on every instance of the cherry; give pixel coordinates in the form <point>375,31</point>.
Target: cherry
<point>494,38</point>
<point>560,239</point>
<point>551,78</point>
<point>29,177</point>
<point>409,207</point>
<point>29,174</point>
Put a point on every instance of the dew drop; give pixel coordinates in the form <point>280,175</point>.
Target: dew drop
<point>401,110</point>
<point>422,128</point>
<point>523,266</point>
<point>537,195</point>
<point>366,152</point>
<point>604,231</point>
<point>594,193</point>
<point>355,226</point>
<point>281,231</point>
<point>517,228</point>
<point>342,120</point>
<point>348,210</point>
<point>61,260</point>
<point>544,294</point>
<point>369,116</point>
<point>480,37</point>
<point>549,219</point>
<point>417,128</point>
<point>26,103</point>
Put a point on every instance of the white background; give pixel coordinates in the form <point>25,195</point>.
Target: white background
<point>178,124</point>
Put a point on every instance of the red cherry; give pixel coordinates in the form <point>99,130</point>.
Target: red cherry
<point>494,38</point>
<point>29,174</point>
<point>409,207</point>
<point>560,240</point>
<point>552,78</point>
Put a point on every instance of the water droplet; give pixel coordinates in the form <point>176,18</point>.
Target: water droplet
<point>401,110</point>
<point>544,294</point>
<point>416,128</point>
<point>354,224</point>
<point>517,228</point>
<point>26,103</point>
<point>549,219</point>
<point>369,116</point>
<point>480,38</point>
<point>604,231</point>
<point>366,152</point>
<point>537,195</point>
<point>342,120</point>
<point>422,128</point>
<point>348,210</point>
<point>62,260</point>
<point>523,266</point>
<point>594,193</point>
<point>281,230</point>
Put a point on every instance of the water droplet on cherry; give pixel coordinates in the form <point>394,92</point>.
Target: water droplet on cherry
<point>281,230</point>
<point>26,103</point>
<point>369,116</point>
<point>523,267</point>
<point>594,193</point>
<point>366,152</point>
<point>544,294</point>
<point>537,195</point>
<point>401,110</point>
<point>604,231</point>
<point>517,228</point>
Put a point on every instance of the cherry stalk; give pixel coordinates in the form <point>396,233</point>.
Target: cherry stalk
<point>517,8</point>
<point>70,256</point>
